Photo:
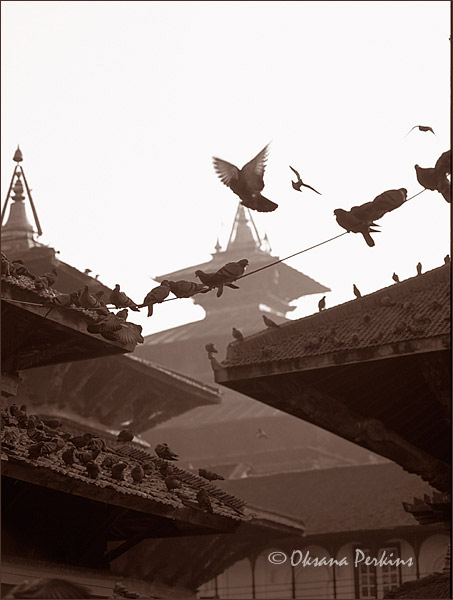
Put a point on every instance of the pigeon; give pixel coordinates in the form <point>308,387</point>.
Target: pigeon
<point>443,164</point>
<point>80,441</point>
<point>156,295</point>
<point>138,474</point>
<point>209,475</point>
<point>108,324</point>
<point>395,278</point>
<point>20,269</point>
<point>356,291</point>
<point>435,180</point>
<point>75,298</point>
<point>51,277</point>
<point>204,501</point>
<point>61,300</point>
<point>122,314</point>
<point>299,183</point>
<point>129,333</point>
<point>229,273</point>
<point>120,300</point>
<point>209,279</point>
<point>93,469</point>
<point>350,222</point>
<point>419,268</point>
<point>237,335</point>
<point>109,461</point>
<point>125,435</point>
<point>421,128</point>
<point>211,348</point>
<point>247,183</point>
<point>322,304</point>
<point>185,289</point>
<point>261,434</point>
<point>270,324</point>
<point>447,259</point>
<point>96,445</point>
<point>88,300</point>
<point>84,457</point>
<point>34,450</point>
<point>172,483</point>
<point>118,470</point>
<point>163,451</point>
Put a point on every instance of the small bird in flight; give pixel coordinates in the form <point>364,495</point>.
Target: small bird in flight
<point>299,183</point>
<point>421,128</point>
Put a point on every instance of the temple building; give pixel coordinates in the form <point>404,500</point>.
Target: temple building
<point>241,435</point>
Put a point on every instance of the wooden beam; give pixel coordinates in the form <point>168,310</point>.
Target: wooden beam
<point>326,412</point>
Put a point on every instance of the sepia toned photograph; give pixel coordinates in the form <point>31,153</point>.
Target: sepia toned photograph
<point>226,299</point>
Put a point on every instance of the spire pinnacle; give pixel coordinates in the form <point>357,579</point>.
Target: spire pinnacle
<point>18,156</point>
<point>244,234</point>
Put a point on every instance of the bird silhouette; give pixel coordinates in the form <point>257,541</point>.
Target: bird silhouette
<point>237,335</point>
<point>269,322</point>
<point>248,182</point>
<point>434,179</point>
<point>172,483</point>
<point>204,501</point>
<point>34,450</point>
<point>351,223</point>
<point>322,304</point>
<point>93,469</point>
<point>209,475</point>
<point>138,474</point>
<point>447,259</point>
<point>163,451</point>
<point>125,435</point>
<point>419,268</point>
<point>421,128</point>
<point>118,470</point>
<point>120,300</point>
<point>68,455</point>
<point>211,348</point>
<point>229,273</point>
<point>299,183</point>
<point>395,278</point>
<point>156,295</point>
<point>356,291</point>
<point>185,289</point>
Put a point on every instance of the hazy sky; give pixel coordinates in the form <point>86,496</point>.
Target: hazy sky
<point>119,107</point>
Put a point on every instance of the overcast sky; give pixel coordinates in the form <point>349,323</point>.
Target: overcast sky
<point>119,107</point>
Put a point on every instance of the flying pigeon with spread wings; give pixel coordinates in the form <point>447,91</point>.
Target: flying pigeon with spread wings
<point>421,128</point>
<point>299,183</point>
<point>248,182</point>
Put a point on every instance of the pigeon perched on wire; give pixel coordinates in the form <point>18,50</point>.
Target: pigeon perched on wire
<point>212,280</point>
<point>237,335</point>
<point>120,300</point>
<point>424,128</point>
<point>356,291</point>
<point>163,451</point>
<point>351,223</point>
<point>419,268</point>
<point>248,182</point>
<point>299,183</point>
<point>209,475</point>
<point>435,178</point>
<point>185,289</point>
<point>322,304</point>
<point>395,278</point>
<point>229,273</point>
<point>270,324</point>
<point>156,296</point>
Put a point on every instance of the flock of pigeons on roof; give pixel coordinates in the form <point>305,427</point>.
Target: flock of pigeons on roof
<point>47,438</point>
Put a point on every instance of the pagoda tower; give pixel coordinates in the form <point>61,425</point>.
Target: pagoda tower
<point>227,436</point>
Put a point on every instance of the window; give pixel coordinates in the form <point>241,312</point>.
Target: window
<point>369,577</point>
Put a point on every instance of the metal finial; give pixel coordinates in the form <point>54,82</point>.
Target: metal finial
<point>217,247</point>
<point>18,157</point>
<point>18,190</point>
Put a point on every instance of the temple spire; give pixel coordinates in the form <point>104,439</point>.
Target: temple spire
<point>244,234</point>
<point>18,233</point>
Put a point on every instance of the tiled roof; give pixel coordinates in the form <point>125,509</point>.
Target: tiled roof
<point>15,442</point>
<point>365,497</point>
<point>436,585</point>
<point>417,308</point>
